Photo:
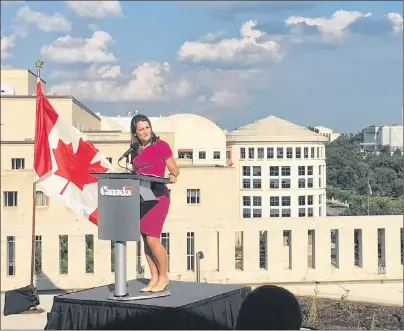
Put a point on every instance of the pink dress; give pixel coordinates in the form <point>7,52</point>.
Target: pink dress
<point>151,161</point>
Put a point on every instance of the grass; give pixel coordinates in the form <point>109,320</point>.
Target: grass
<point>343,314</point>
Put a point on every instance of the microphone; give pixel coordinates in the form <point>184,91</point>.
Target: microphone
<point>127,153</point>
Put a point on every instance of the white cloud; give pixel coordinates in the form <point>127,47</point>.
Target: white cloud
<point>224,88</point>
<point>226,98</point>
<point>94,72</point>
<point>151,81</point>
<point>211,37</point>
<point>55,22</point>
<point>95,9</point>
<point>8,42</point>
<point>89,50</point>
<point>397,21</point>
<point>246,49</point>
<point>332,29</point>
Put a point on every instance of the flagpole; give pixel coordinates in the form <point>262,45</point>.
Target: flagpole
<point>38,66</point>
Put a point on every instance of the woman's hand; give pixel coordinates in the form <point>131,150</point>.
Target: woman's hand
<point>172,179</point>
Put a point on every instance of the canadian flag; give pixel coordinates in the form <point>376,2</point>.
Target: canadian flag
<point>63,161</point>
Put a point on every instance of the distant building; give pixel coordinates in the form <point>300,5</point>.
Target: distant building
<point>327,132</point>
<point>376,137</point>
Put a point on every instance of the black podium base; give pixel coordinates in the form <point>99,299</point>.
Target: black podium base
<point>197,306</point>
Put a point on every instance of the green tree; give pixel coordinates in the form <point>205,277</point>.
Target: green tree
<point>350,171</point>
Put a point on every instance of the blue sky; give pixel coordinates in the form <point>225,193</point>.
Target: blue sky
<point>337,64</point>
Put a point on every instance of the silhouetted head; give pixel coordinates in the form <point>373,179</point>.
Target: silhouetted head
<point>269,307</point>
<point>142,131</point>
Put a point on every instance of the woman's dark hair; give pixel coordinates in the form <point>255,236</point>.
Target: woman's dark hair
<point>134,141</point>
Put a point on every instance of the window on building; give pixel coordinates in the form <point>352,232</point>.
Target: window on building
<point>10,198</point>
<point>256,171</point>
<point>242,153</point>
<point>228,154</point>
<point>289,152</point>
<point>257,207</point>
<point>202,155</point>
<point>18,163</point>
<point>302,212</point>
<point>246,207</point>
<point>41,199</point>
<point>310,212</point>
<point>10,256</point>
<point>274,183</point>
<point>112,256</point>
<point>274,201</point>
<point>274,212</point>
<point>38,255</point>
<point>89,254</point>
<point>190,251</point>
<point>312,150</point>
<point>279,153</point>
<point>165,241</point>
<point>318,152</point>
<point>302,200</point>
<point>301,171</point>
<point>310,183</point>
<point>185,155</point>
<point>285,183</point>
<point>193,196</point>
<point>257,183</point>
<point>286,212</point>
<point>251,153</point>
<point>270,153</point>
<point>216,155</point>
<point>252,206</point>
<point>306,152</point>
<point>298,152</point>
<point>310,199</point>
<point>285,201</point>
<point>273,171</point>
<point>64,254</point>
<point>260,153</point>
<point>139,267</point>
<point>301,182</point>
<point>285,171</point>
<point>246,174</point>
<point>309,170</point>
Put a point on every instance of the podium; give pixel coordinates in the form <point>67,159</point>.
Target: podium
<point>122,199</point>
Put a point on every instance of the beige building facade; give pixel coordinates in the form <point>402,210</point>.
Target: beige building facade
<point>252,200</point>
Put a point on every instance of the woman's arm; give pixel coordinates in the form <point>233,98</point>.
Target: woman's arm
<point>173,169</point>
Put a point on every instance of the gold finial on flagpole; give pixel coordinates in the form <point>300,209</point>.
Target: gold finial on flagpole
<point>38,66</point>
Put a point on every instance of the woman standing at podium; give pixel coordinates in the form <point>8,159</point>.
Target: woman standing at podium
<point>151,155</point>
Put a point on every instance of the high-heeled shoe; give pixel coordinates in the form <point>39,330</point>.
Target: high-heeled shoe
<point>161,288</point>
<point>147,288</point>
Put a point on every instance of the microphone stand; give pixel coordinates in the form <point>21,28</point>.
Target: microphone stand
<point>127,164</point>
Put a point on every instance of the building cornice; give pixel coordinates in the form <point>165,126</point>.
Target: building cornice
<point>235,140</point>
<point>67,97</point>
<point>31,142</point>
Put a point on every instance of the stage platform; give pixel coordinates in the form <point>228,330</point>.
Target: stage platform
<point>190,306</point>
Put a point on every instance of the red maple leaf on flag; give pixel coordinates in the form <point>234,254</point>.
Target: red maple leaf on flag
<point>76,167</point>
